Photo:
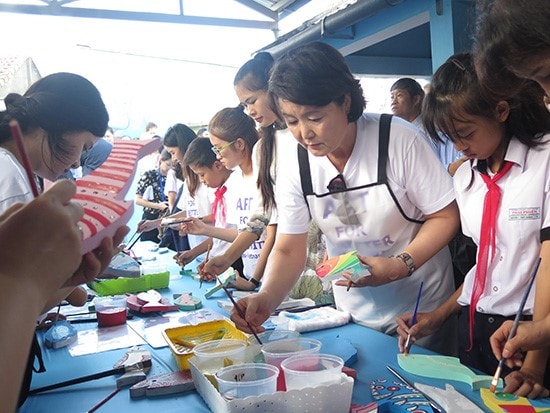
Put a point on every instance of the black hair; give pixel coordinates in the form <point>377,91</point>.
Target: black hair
<point>410,85</point>
<point>199,153</point>
<point>181,136</point>
<point>316,74</point>
<point>59,103</point>
<point>508,35</point>
<point>254,76</point>
<point>232,123</point>
<point>455,91</point>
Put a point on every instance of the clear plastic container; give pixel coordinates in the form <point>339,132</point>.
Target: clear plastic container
<point>110,311</point>
<point>311,370</point>
<point>221,353</point>
<point>247,379</point>
<point>277,351</point>
<point>273,335</point>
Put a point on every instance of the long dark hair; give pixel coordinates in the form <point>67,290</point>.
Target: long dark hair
<point>254,75</point>
<point>455,90</point>
<point>58,103</point>
<point>508,34</point>
<point>316,74</point>
<point>232,123</point>
<point>180,136</point>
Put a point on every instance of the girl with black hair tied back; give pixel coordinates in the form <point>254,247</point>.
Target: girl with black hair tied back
<point>502,194</point>
<point>251,84</point>
<point>385,195</point>
<point>60,116</point>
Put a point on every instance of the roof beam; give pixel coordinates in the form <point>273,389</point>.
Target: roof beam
<point>55,9</point>
<point>251,4</point>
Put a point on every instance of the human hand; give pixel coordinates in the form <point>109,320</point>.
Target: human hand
<point>48,244</point>
<point>242,284</point>
<point>383,270</point>
<point>147,225</point>
<point>426,324</point>
<point>214,266</point>
<point>194,226</point>
<point>95,262</point>
<point>526,383</point>
<point>185,258</point>
<point>162,206</point>
<point>530,335</point>
<point>256,309</point>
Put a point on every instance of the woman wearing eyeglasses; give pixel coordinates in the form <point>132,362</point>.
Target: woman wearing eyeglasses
<point>388,198</point>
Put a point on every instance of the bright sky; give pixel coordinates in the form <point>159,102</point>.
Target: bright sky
<point>165,73</point>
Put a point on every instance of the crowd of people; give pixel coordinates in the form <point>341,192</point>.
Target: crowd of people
<point>299,153</point>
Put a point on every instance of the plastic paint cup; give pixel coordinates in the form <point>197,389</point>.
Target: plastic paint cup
<point>247,379</point>
<point>311,370</point>
<point>277,351</point>
<point>273,335</point>
<point>219,352</point>
<point>110,311</point>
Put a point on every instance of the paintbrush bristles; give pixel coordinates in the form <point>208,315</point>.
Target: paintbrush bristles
<point>496,377</point>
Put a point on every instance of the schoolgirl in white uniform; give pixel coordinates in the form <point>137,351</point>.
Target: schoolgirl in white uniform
<point>503,195</point>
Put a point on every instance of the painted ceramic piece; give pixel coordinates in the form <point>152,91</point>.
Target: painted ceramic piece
<point>499,402</point>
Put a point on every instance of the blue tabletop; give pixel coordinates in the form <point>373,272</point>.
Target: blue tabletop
<point>374,352</point>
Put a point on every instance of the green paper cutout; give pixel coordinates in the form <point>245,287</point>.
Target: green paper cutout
<point>443,367</point>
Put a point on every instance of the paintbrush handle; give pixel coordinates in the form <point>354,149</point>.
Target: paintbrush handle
<point>78,380</point>
<point>241,313</point>
<point>18,138</point>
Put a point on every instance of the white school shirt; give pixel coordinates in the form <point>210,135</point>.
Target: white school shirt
<point>232,184</point>
<point>172,183</point>
<point>199,206</point>
<point>524,211</point>
<point>14,185</point>
<point>284,141</point>
<point>239,205</point>
<point>422,187</point>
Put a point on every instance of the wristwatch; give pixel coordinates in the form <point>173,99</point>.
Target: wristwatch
<point>254,281</point>
<point>408,260</point>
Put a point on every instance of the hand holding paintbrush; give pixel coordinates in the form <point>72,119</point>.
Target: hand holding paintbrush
<point>413,320</point>
<point>496,377</point>
<point>205,261</point>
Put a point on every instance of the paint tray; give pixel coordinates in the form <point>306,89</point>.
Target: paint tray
<point>181,340</point>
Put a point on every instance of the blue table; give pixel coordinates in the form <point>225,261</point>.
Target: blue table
<point>375,351</point>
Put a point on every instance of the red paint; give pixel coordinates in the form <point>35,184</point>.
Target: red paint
<point>112,316</point>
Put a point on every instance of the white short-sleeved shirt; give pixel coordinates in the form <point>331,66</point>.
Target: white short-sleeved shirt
<point>284,141</point>
<point>410,171</point>
<point>421,186</point>
<point>232,184</point>
<point>14,185</point>
<point>198,206</point>
<point>524,212</point>
<point>239,205</point>
<point>172,184</point>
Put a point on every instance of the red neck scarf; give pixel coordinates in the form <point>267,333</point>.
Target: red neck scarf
<point>218,207</point>
<point>486,239</point>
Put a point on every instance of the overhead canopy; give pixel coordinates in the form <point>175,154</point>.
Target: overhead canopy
<point>16,75</point>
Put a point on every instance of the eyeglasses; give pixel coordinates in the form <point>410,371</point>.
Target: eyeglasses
<point>337,184</point>
<point>218,151</point>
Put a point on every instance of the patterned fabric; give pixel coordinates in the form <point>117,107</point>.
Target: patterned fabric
<point>155,181</point>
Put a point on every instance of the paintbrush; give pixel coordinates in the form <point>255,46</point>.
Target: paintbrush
<point>107,373</point>
<point>413,319</point>
<point>239,310</point>
<point>205,261</point>
<point>512,333</point>
<point>16,135</point>
<point>435,407</point>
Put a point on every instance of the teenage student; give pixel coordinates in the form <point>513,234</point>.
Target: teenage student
<point>512,44</point>
<point>250,83</point>
<point>233,135</point>
<point>503,201</point>
<point>390,199</point>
